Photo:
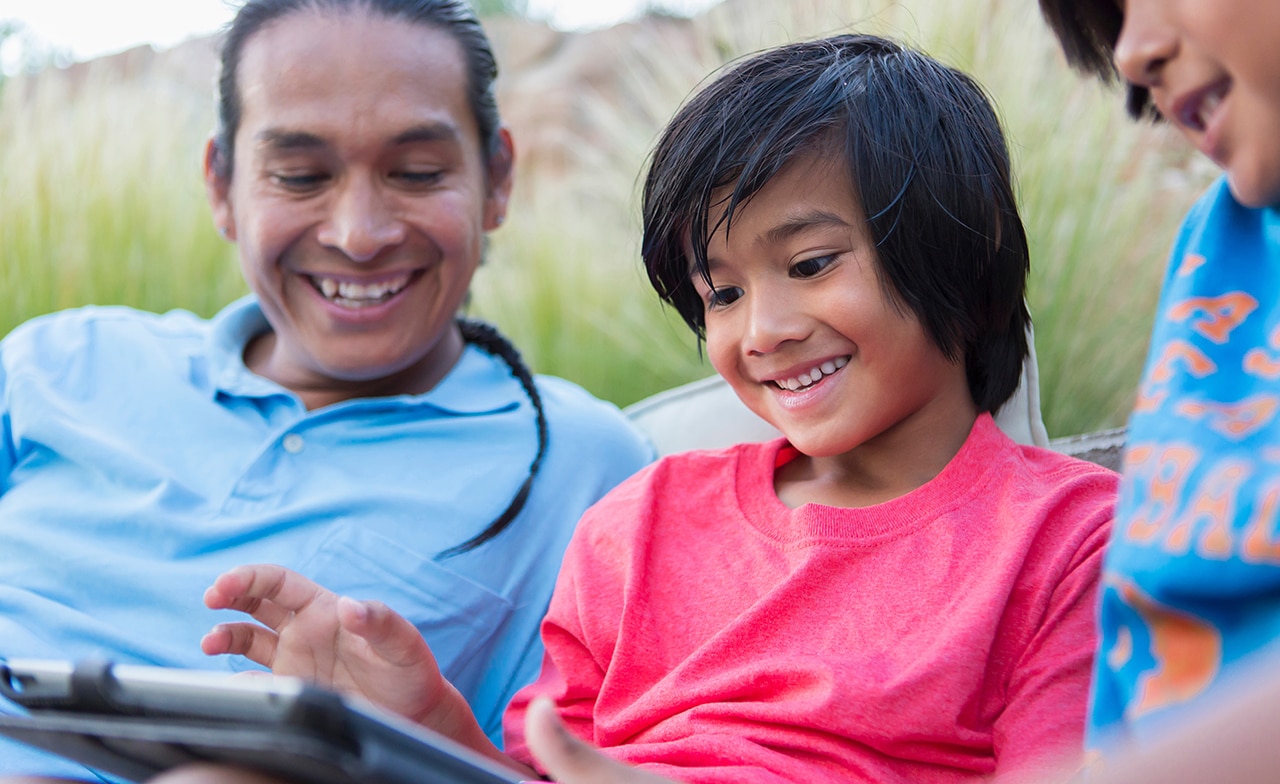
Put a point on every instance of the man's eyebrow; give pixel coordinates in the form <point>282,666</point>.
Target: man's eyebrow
<point>288,140</point>
<point>427,132</point>
<point>797,224</point>
<point>301,140</point>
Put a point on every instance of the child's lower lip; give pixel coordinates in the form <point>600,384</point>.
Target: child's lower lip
<point>1210,139</point>
<point>804,396</point>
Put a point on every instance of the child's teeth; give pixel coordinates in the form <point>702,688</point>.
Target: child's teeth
<point>813,376</point>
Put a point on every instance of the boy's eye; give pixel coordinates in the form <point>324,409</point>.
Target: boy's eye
<point>723,296</point>
<point>807,268</point>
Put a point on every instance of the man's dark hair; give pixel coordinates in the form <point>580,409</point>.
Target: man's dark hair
<point>454,17</point>
<point>1088,31</point>
<point>928,164</point>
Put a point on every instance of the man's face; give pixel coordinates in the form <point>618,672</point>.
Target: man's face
<point>359,199</point>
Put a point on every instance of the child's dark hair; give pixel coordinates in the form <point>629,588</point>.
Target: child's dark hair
<point>1088,31</point>
<point>928,165</point>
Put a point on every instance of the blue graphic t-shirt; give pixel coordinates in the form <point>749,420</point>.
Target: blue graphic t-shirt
<point>1192,579</point>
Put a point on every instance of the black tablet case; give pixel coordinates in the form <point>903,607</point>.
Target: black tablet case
<point>303,734</point>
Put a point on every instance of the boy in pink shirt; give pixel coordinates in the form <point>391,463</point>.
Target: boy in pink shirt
<point>895,590</point>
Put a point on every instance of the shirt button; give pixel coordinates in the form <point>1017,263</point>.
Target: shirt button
<point>293,443</point>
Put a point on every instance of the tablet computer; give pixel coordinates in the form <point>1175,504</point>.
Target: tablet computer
<point>135,722</point>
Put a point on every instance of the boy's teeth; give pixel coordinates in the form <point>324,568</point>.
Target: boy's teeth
<point>1207,106</point>
<point>813,376</point>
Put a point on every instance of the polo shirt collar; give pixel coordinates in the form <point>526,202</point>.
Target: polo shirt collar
<point>478,383</point>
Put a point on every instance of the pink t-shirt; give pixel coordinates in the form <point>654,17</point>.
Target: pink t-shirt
<point>705,631</point>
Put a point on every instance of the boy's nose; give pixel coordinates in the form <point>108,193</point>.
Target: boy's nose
<point>772,320</point>
<point>361,224</point>
<point>1146,42</point>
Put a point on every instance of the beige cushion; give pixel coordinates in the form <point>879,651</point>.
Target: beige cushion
<point>706,414</point>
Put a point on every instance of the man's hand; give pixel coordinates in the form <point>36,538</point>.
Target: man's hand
<point>361,648</point>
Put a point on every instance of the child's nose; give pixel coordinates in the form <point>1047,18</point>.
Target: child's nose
<point>773,319</point>
<point>1146,42</point>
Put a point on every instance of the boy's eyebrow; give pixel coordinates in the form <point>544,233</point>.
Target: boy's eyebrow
<point>797,224</point>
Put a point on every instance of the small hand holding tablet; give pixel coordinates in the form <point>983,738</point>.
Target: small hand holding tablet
<point>361,648</point>
<point>137,722</point>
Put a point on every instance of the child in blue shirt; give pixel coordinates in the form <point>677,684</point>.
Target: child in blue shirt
<point>1192,577</point>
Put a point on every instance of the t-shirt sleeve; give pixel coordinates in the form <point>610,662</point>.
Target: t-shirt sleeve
<point>1041,730</point>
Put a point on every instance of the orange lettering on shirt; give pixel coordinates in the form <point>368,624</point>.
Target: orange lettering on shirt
<point>1234,420</point>
<point>1122,651</point>
<point>1214,502</point>
<point>1261,546</point>
<point>1149,401</point>
<point>1190,263</point>
<point>1187,653</point>
<point>1221,314</point>
<point>1264,364</point>
<point>1194,359</point>
<point>1259,363</point>
<point>1168,474</point>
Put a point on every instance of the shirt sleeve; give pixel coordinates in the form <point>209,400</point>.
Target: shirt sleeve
<point>1040,733</point>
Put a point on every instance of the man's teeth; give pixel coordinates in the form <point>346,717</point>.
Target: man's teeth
<point>347,293</point>
<point>813,376</point>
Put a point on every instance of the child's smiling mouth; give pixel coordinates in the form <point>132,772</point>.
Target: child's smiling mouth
<point>812,377</point>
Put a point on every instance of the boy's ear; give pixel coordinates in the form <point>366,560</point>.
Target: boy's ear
<point>217,189</point>
<point>502,161</point>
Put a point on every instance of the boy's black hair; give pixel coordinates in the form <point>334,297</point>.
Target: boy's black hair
<point>1088,31</point>
<point>928,165</point>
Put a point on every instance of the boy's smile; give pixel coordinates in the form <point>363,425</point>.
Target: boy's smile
<point>1213,69</point>
<point>801,325</point>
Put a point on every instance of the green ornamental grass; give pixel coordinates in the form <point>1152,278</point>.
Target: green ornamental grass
<point>101,201</point>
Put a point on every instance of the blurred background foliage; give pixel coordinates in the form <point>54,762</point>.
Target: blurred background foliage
<point>101,199</point>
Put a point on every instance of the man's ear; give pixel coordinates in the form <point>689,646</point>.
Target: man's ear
<point>217,187</point>
<point>502,162</point>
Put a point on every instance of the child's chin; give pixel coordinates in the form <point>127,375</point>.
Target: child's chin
<point>1255,193</point>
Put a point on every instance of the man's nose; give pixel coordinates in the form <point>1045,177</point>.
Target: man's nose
<point>361,223</point>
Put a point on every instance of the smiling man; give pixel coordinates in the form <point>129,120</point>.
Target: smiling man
<point>340,420</point>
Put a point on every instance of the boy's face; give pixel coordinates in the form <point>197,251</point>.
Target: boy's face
<point>802,329</point>
<point>1213,68</point>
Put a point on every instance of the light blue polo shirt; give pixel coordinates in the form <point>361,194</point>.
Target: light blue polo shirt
<point>139,458</point>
